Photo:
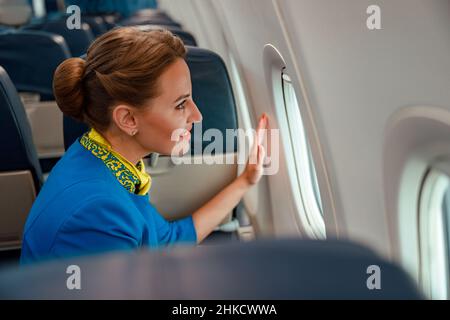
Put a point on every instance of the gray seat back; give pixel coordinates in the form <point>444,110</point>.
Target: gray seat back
<point>20,173</point>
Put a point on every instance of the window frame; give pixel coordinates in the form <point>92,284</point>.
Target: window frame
<point>304,165</point>
<point>434,277</point>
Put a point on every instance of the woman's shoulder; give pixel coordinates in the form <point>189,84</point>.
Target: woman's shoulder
<point>72,195</point>
<point>77,160</point>
<point>59,200</point>
<point>77,177</point>
<point>77,168</point>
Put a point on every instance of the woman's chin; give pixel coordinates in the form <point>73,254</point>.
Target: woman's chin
<point>181,149</point>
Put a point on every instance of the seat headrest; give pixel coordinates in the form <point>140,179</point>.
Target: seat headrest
<point>152,13</point>
<point>15,12</point>
<point>261,270</point>
<point>78,40</point>
<point>136,21</point>
<point>97,24</point>
<point>187,37</point>
<point>212,92</point>
<point>31,57</point>
<point>124,8</point>
<point>16,139</point>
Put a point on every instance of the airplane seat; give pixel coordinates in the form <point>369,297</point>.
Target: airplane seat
<point>135,21</point>
<point>52,6</point>
<point>283,269</point>
<point>73,129</point>
<point>14,13</point>
<point>97,24</point>
<point>30,58</point>
<point>153,14</point>
<point>78,40</point>
<point>123,8</point>
<point>20,172</point>
<point>187,37</point>
<point>22,13</point>
<point>110,20</point>
<point>213,94</point>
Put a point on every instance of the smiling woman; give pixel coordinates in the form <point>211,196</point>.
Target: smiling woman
<point>134,90</point>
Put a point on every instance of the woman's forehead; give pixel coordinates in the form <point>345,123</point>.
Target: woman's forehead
<point>176,80</point>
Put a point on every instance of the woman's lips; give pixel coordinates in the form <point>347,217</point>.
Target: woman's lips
<point>186,136</point>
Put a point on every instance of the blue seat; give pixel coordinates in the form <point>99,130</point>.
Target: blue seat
<point>78,40</point>
<point>110,20</point>
<point>152,14</point>
<point>31,57</point>
<point>97,24</point>
<point>187,37</point>
<point>20,173</point>
<point>16,140</point>
<point>212,92</point>
<point>262,270</point>
<point>51,6</point>
<point>136,21</point>
<point>124,8</point>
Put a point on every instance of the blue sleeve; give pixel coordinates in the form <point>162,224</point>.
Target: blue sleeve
<point>170,232</point>
<point>99,225</point>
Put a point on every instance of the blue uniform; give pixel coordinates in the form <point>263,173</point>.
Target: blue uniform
<point>83,209</point>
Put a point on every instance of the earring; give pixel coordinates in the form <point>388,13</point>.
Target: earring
<point>134,132</point>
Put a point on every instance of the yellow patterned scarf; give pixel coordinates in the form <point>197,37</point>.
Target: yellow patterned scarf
<point>133,177</point>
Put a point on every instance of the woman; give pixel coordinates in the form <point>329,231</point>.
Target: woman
<point>134,90</point>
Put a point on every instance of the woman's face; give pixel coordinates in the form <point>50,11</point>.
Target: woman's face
<point>164,127</point>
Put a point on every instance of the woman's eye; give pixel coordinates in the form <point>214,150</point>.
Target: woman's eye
<point>181,105</point>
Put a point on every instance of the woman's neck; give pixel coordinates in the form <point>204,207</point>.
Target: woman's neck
<point>125,145</point>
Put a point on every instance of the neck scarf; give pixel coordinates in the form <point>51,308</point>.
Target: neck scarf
<point>133,177</point>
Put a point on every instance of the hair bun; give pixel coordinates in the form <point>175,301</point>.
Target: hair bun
<point>68,87</point>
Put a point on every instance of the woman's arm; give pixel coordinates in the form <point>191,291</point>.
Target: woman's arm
<point>215,210</point>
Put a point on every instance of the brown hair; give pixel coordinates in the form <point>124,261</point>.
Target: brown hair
<point>122,66</point>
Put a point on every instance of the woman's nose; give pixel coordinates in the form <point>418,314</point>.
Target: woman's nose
<point>196,115</point>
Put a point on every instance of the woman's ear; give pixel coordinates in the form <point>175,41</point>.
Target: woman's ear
<point>124,118</point>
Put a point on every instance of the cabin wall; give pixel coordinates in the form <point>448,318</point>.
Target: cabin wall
<point>351,81</point>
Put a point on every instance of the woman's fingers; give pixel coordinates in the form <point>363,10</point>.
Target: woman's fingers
<point>262,125</point>
<point>255,166</point>
<point>258,140</point>
<point>261,155</point>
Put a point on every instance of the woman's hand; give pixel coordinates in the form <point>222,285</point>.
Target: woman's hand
<point>207,217</point>
<point>254,169</point>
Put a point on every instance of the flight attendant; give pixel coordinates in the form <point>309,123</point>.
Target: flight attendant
<point>133,90</point>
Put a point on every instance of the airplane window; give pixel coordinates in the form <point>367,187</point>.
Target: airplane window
<point>305,176</point>
<point>434,235</point>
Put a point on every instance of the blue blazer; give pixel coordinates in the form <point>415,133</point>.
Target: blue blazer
<point>83,209</point>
